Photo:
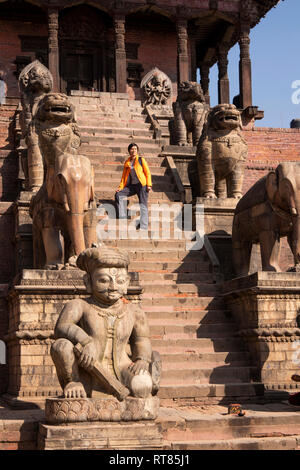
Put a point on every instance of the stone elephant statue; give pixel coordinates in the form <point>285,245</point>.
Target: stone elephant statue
<point>64,209</point>
<point>268,211</point>
<point>190,111</point>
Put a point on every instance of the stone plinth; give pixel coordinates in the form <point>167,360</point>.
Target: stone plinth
<point>266,306</point>
<point>72,410</point>
<point>23,232</point>
<point>218,215</point>
<point>186,165</point>
<point>96,436</point>
<point>35,302</point>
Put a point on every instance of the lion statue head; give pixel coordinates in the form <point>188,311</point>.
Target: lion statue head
<point>224,117</point>
<point>57,108</point>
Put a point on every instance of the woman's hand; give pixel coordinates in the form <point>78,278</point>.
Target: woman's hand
<point>148,189</point>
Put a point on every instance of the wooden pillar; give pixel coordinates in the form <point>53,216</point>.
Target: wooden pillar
<point>245,69</point>
<point>204,72</point>
<point>182,51</point>
<point>223,82</point>
<point>120,53</point>
<point>53,49</point>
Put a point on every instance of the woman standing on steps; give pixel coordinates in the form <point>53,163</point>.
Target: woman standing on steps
<point>136,179</point>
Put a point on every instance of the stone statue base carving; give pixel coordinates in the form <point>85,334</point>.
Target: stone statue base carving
<point>265,306</point>
<point>74,410</point>
<point>143,435</point>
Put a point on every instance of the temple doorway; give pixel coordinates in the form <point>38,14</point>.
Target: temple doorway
<point>84,49</point>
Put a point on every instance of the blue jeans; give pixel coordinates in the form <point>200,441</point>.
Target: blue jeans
<point>131,190</point>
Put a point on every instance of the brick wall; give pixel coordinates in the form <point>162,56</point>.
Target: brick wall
<point>10,46</point>
<point>160,52</point>
<point>267,148</point>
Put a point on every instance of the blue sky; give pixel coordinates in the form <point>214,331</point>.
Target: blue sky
<point>275,47</point>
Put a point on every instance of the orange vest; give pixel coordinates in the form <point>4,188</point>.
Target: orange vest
<point>142,172</point>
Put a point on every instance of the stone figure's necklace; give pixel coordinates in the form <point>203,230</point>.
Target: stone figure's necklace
<point>107,310</point>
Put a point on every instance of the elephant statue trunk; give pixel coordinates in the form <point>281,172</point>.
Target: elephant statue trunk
<point>75,227</point>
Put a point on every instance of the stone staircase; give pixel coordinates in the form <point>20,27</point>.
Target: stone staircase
<point>203,360</point>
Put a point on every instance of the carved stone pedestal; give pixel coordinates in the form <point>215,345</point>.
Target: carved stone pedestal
<point>35,302</point>
<point>96,436</point>
<point>266,307</point>
<point>72,410</point>
<point>218,215</point>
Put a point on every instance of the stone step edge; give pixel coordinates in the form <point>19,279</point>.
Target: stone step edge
<point>218,389</point>
<point>262,443</point>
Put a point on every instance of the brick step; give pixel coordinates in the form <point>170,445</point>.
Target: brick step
<point>197,345</point>
<point>203,317</point>
<point>209,391</point>
<point>200,288</point>
<point>157,186</point>
<point>157,230</point>
<point>176,277</point>
<point>11,101</point>
<point>110,112</point>
<point>148,150</point>
<point>149,245</point>
<point>108,214</point>
<point>219,375</point>
<point>110,162</point>
<point>182,300</point>
<point>158,256</point>
<point>116,133</point>
<point>115,177</point>
<point>7,109</point>
<point>110,106</point>
<point>216,358</point>
<point>114,171</point>
<point>119,140</point>
<point>112,123</point>
<point>165,266</point>
<point>154,196</point>
<point>167,331</point>
<point>260,443</point>
<point>259,422</point>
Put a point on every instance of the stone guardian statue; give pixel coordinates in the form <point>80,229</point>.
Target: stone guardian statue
<point>102,344</point>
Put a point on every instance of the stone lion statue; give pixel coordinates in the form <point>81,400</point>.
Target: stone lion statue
<point>221,154</point>
<point>190,111</point>
<point>63,210</point>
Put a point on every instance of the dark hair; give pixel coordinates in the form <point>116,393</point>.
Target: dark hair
<point>132,145</point>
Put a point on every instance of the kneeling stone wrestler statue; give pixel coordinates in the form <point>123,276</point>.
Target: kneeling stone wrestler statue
<point>105,332</point>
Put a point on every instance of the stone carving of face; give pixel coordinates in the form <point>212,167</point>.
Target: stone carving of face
<point>109,284</point>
